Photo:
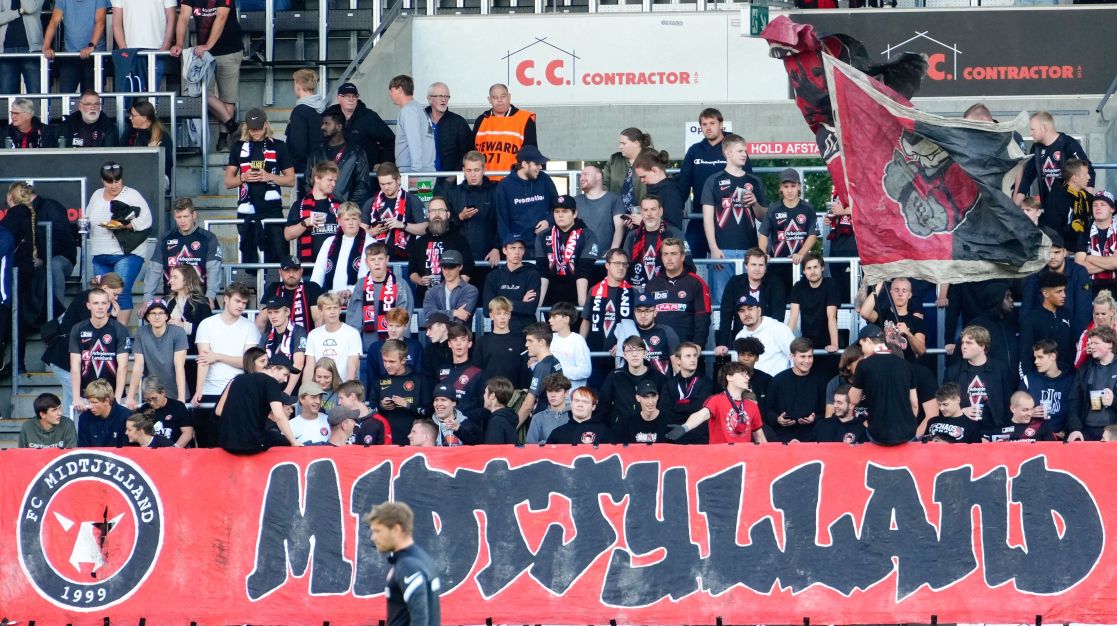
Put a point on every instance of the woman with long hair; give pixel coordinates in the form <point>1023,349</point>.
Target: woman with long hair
<point>145,129</point>
<point>119,219</point>
<point>327,377</point>
<point>187,306</point>
<point>1104,315</point>
<point>651,170</point>
<point>619,175</point>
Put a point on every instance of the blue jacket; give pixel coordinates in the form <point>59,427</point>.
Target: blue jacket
<point>1079,307</point>
<point>521,204</point>
<point>94,432</point>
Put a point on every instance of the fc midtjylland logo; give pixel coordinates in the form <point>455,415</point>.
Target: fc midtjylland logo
<point>90,530</point>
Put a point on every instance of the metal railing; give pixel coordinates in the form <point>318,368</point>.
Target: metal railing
<point>98,68</point>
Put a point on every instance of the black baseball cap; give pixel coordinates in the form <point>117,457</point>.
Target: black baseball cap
<point>444,391</point>
<point>255,119</point>
<point>789,175</point>
<point>513,238</point>
<point>1054,236</point>
<point>531,153</point>
<point>347,89</point>
<point>646,388</point>
<point>452,258</point>
<point>565,202</point>
<point>339,414</point>
<point>290,263</point>
<point>280,359</point>
<point>275,302</point>
<point>437,317</point>
<point>747,300</point>
<point>870,331</point>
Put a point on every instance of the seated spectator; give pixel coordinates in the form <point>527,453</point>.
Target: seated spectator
<point>951,425</point>
<point>569,347</point>
<point>123,247</point>
<point>643,241</point>
<point>401,396</point>
<point>98,351</point>
<point>1091,400</point>
<point>1104,314</point>
<point>650,424</point>
<point>775,336</point>
<point>425,251</point>
<point>584,427</point>
<point>145,130</point>
<point>757,282</point>
<point>557,412</point>
<point>342,422</point>
<point>398,322</point>
<point>393,215</point>
<point>376,295</point>
<point>884,386</point>
<point>282,337</point>
<point>453,138</point>
<point>1050,386</point>
<point>249,402</point>
<point>985,382</point>
<point>903,326</point>
<point>160,351</point>
<point>339,265</point>
<point>310,425</point>
<point>619,176</point>
<point>788,230</point>
<point>424,434</point>
<point>566,253</point>
<point>304,128</point>
<point>733,416</point>
<point>466,379</point>
<point>472,205</point>
<point>749,350</point>
<point>89,127</point>
<point>660,340</point>
<point>1048,321</point>
<point>796,397</point>
<point>84,33</point>
<point>325,374</point>
<point>687,389</point>
<point>371,428</point>
<point>1110,433</point>
<point>847,365</point>
<point>351,183</point>
<point>1097,245</point>
<point>525,197</point>
<point>102,424</point>
<point>302,293</point>
<point>259,167</point>
<point>843,424</point>
<point>454,427</point>
<point>49,429</point>
<point>599,208</point>
<point>185,244</point>
<point>26,130</point>
<point>814,303</point>
<point>139,429</point>
<point>312,219</point>
<point>500,351</point>
<point>503,421</point>
<point>454,297</point>
<point>1028,421</point>
<point>436,353</point>
<point>333,339</point>
<point>171,417</point>
<point>681,297</point>
<point>651,169</point>
<point>537,341</point>
<point>618,393</point>
<point>520,283</point>
<point>1079,297</point>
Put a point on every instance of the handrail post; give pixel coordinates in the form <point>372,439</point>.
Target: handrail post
<point>205,138</point>
<point>50,270</point>
<point>323,36</point>
<point>269,52</point>
<point>15,342</point>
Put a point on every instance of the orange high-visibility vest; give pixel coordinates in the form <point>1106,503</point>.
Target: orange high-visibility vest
<point>500,139</point>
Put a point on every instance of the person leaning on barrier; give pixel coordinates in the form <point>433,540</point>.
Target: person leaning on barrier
<point>249,402</point>
<point>351,177</point>
<point>185,244</point>
<point>453,139</point>
<point>342,422</point>
<point>50,428</point>
<point>584,427</point>
<point>687,390</point>
<point>304,128</point>
<point>650,423</point>
<point>26,130</point>
<point>89,127</point>
<point>732,415</point>
<point>503,131</point>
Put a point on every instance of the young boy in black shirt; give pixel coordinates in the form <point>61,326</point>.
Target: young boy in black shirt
<point>951,425</point>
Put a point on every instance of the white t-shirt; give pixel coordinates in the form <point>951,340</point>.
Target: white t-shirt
<point>228,340</point>
<point>145,21</point>
<point>338,345</point>
<point>574,355</point>
<point>311,431</point>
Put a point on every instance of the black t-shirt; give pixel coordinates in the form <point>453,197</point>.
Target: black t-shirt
<point>205,13</point>
<point>1035,430</point>
<point>954,429</point>
<point>734,223</point>
<point>98,348</point>
<point>834,430</point>
<point>886,381</point>
<point>159,441</point>
<point>636,429</point>
<point>589,432</point>
<point>171,419</point>
<point>812,303</point>
<point>797,397</point>
<point>502,355</point>
<point>246,410</point>
<point>887,319</point>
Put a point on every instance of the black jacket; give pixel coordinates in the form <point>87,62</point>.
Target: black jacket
<point>502,427</point>
<point>352,179</point>
<point>452,140</point>
<point>480,230</point>
<point>77,134</point>
<point>303,135</point>
<point>513,285</point>
<point>40,136</point>
<point>368,130</point>
<point>773,304</point>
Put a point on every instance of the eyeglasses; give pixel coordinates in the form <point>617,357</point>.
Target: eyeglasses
<point>94,105</point>
<point>151,398</point>
<point>634,350</point>
<point>617,263</point>
<point>439,96</point>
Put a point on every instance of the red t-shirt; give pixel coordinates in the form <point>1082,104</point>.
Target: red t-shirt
<point>727,424</point>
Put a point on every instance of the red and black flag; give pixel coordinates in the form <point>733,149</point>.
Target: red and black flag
<point>927,191</point>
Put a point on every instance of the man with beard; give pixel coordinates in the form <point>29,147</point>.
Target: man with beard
<point>473,212</point>
<point>363,127</point>
<point>610,302</point>
<point>89,127</point>
<point>599,208</point>
<point>566,252</point>
<point>643,242</point>
<point>424,265</point>
<point>351,161</point>
<point>520,283</point>
<point>845,425</point>
<point>302,294</point>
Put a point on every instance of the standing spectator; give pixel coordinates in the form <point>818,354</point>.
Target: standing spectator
<point>775,336</point>
<point>732,416</point>
<point>28,256</point>
<point>98,349</point>
<point>651,169</point>
<point>1050,149</point>
<point>557,412</point>
<point>452,138</point>
<point>985,382</point>
<point>249,402</point>
<point>648,425</point>
<point>749,350</point>
<point>101,424</point>
<point>643,242</point>
<point>584,427</point>
<point>502,421</point>
<point>186,244</point>
<point>1068,203</point>
<point>145,25</point>
<point>453,297</point>
<point>620,176</point>
<point>145,129</point>
<point>500,351</point>
<point>1050,386</point>
<point>351,178</point>
<point>1048,322</point>
<point>415,140</point>
<point>601,210</point>
<point>566,253</point>
<point>524,198</point>
<point>680,296</point>
<point>342,423</point>
<point>171,417</point>
<point>56,354</point>
<point>160,351</point>
<point>472,207</point>
<point>503,131</point>
<point>609,303</point>
<point>1079,301</point>
<point>455,428</point>
<point>333,339</point>
<point>732,203</point>
<point>26,130</point>
<point>520,283</point>
<point>687,390</point>
<point>618,393</point>
<point>703,159</point>
<point>569,347</point>
<point>282,337</point>
<point>371,428</point>
<point>1097,245</point>
<point>302,293</point>
<point>49,429</point>
<point>841,243</point>
<point>89,127</point>
<point>258,166</point>
<point>424,266</point>
<point>436,351</point>
<point>884,386</point>
<point>1032,208</point>
<point>376,295</point>
<point>304,128</point>
<point>188,306</point>
<point>21,31</point>
<point>312,220</point>
<point>1091,400</point>
<point>844,425</point>
<point>62,242</point>
<point>400,395</point>
<point>815,299</point>
<point>393,215</point>
<point>84,33</point>
<point>902,326</point>
<point>218,33</point>
<point>222,340</point>
<point>537,341</point>
<point>788,230</point>
<point>339,265</point>
<point>460,375</point>
<point>765,287</point>
<point>1000,320</point>
<point>363,127</point>
<point>796,397</point>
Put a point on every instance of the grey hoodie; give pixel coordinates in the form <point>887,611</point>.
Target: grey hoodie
<point>314,101</point>
<point>543,422</point>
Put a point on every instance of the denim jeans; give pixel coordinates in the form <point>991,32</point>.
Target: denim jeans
<point>721,273</point>
<point>12,69</point>
<point>63,377</point>
<point>127,265</point>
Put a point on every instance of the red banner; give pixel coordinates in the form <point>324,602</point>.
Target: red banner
<point>650,535</point>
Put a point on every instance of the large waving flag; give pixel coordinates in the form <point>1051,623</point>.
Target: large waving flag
<point>928,192</point>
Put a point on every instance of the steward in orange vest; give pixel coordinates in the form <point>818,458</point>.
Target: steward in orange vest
<point>500,132</point>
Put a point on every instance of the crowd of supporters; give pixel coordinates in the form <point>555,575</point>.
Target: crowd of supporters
<point>542,317</point>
